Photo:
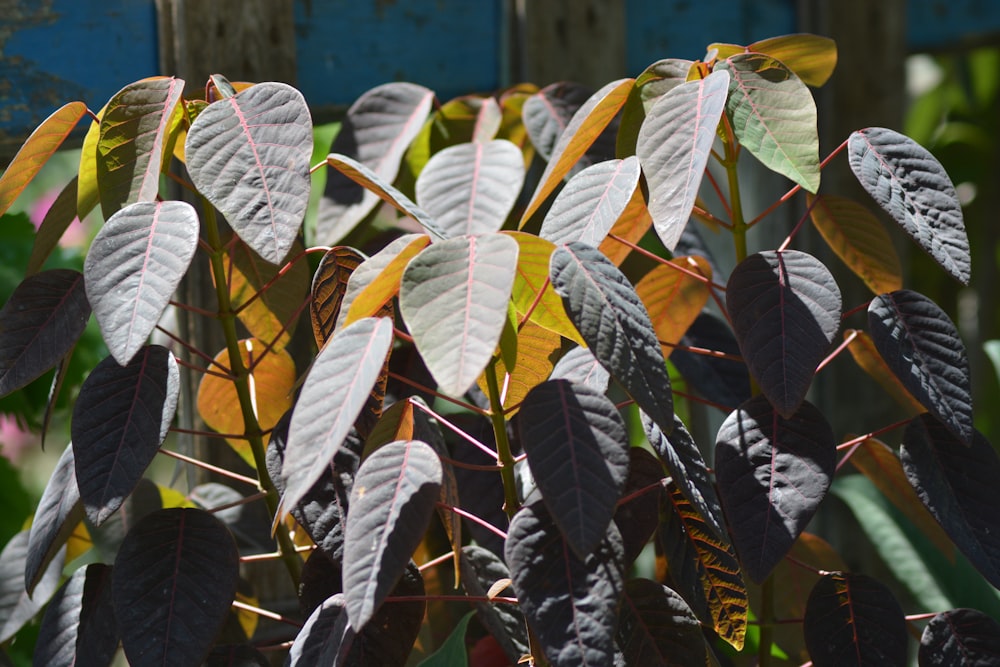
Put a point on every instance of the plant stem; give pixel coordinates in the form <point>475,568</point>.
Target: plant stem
<point>504,456</point>
<point>739,224</point>
<point>241,382</point>
<point>766,622</point>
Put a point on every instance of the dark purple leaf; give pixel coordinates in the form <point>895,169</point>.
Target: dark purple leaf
<point>722,380</point>
<point>772,474</point>
<point>59,511</point>
<point>71,632</point>
<point>320,580</point>
<point>785,309</point>
<point>173,584</point>
<point>119,421</point>
<point>638,517</point>
<point>249,155</point>
<point>580,366</point>
<point>591,202</point>
<point>481,569</point>
<point>923,349</point>
<point>133,268</point>
<point>16,606</point>
<point>56,644</point>
<point>853,620</point>
<point>39,325</point>
<point>236,655</point>
<point>656,628</point>
<point>97,633</point>
<point>570,603</point>
<point>577,449</point>
<point>965,637</point>
<point>604,307</point>
<point>958,484</point>
<point>912,186</point>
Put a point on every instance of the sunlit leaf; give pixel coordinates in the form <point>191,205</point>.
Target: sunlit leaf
<point>531,279</point>
<point>859,239</point>
<point>249,155</point>
<point>547,113</point>
<point>130,146</point>
<point>452,650</point>
<point>906,180</point>
<point>579,365</point>
<point>536,349</point>
<point>59,512</point>
<point>329,284</point>
<point>133,268</point>
<point>376,280</point>
<point>269,315</point>
<point>774,116</point>
<point>674,297</point>
<point>960,637</point>
<point>17,608</point>
<point>632,225</point>
<point>87,195</point>
<point>812,57</point>
<point>57,634</point>
<point>674,145</point>
<point>657,628</point>
<point>592,202</point>
<point>863,351</point>
<point>36,150</point>
<point>453,298</point>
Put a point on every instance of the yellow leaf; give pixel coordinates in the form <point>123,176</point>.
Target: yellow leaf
<point>531,279</point>
<point>812,57</point>
<point>867,357</point>
<point>537,351</point>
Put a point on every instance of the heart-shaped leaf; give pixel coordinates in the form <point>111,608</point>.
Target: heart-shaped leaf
<point>17,608</point>
<point>391,503</point>
<point>375,132</point>
<point>774,116</point>
<point>59,512</point>
<point>722,378</point>
<point>249,155</point>
<point>582,131</point>
<point>453,298</point>
<point>569,602</point>
<point>577,448</point>
<point>854,621</point>
<point>785,309</point>
<point>960,637</point>
<point>376,280</point>
<point>704,570</point>
<point>173,584</point>
<point>134,265</point>
<point>335,391</point>
<point>470,188</point>
<point>674,296</point>
<point>911,185</point>
<point>657,628</point>
<point>329,285</point>
<point>613,320</point>
<point>772,474</point>
<point>957,483</point>
<point>592,201</point>
<point>859,239</point>
<point>36,151</point>
<point>130,145</point>
<point>673,146</point>
<point>923,349</point>
<point>119,421</point>
<point>39,325</point>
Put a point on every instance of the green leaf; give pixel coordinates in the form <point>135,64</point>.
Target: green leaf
<point>774,116</point>
<point>249,155</point>
<point>130,147</point>
<point>452,652</point>
<point>453,299</point>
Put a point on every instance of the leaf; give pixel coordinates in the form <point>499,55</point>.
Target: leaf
<point>119,421</point>
<point>570,603</point>
<point>452,652</point>
<point>577,449</point>
<point>852,619</point>
<point>534,254</point>
<point>612,319</point>
<point>97,633</point>
<point>57,220</point>
<point>674,297</point>
<point>882,466</point>
<point>785,309</point>
<point>249,155</point>
<point>335,391</point>
<point>674,145</point>
<point>39,325</point>
<point>453,299</point>
<point>687,468</point>
<point>536,348</point>
<point>59,512</point>
<point>376,280</point>
<point>174,582</point>
<point>481,569</point>
<point>859,239</point>
<point>960,637</point>
<point>134,267</point>
<point>812,57</point>
<point>923,349</point>
<point>633,224</point>
<point>268,298</point>
<point>721,376</point>
<point>17,608</point>
<point>583,129</point>
<point>911,185</point>
<point>862,349</point>
<point>592,201</point>
<point>580,366</point>
<point>957,483</point>
<point>391,503</point>
<point>36,150</point>
<point>329,284</point>
<point>384,190</point>
<point>774,116</point>
<point>375,132</point>
<point>637,514</point>
<point>130,147</point>
<point>272,384</point>
<point>470,188</point>
<point>703,569</point>
<point>57,635</point>
<point>547,113</point>
<point>772,473</point>
<point>656,627</point>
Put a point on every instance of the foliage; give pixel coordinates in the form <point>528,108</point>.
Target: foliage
<point>486,345</point>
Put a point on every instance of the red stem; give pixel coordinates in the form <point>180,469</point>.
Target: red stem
<point>840,348</point>
<point>475,519</point>
<point>206,466</point>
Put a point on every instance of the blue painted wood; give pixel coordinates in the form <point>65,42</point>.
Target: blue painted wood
<point>947,24</point>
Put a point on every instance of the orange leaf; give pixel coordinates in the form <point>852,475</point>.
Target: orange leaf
<point>328,289</point>
<point>867,357</point>
<point>631,226</point>
<point>674,298</point>
<point>812,57</point>
<point>536,349</point>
